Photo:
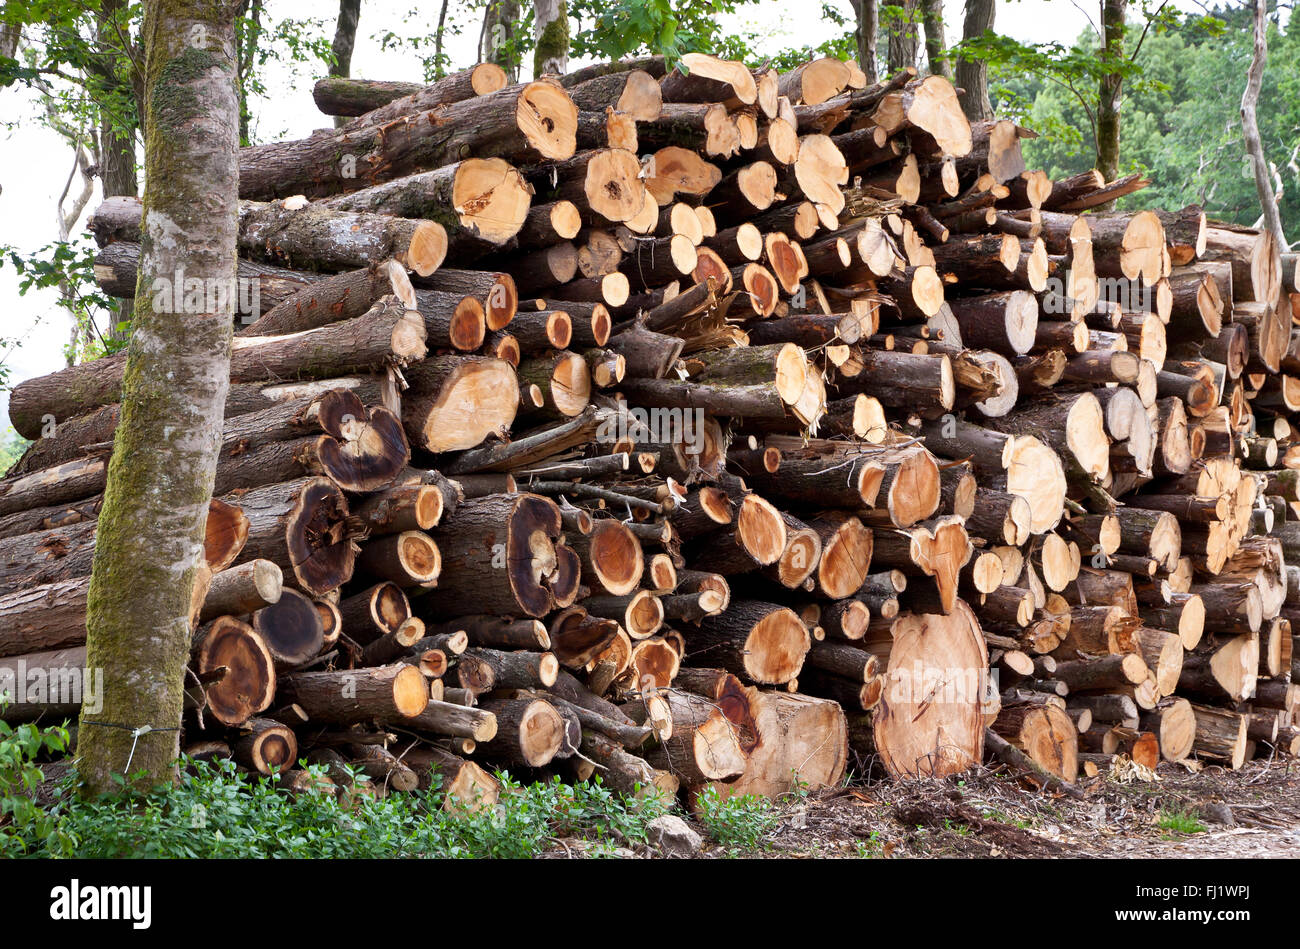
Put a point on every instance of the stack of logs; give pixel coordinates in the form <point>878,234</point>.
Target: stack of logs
<point>707,427</point>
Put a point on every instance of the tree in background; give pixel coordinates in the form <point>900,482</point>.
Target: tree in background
<point>972,76</point>
<point>1093,72</point>
<point>81,59</point>
<point>936,45</point>
<point>1263,173</point>
<point>149,542</point>
<point>866,27</point>
<point>550,37</point>
<point>345,39</point>
<point>1110,86</point>
<point>1182,122</point>
<point>899,23</point>
<point>612,29</point>
<point>12,446</point>
<point>499,40</point>
<point>117,72</point>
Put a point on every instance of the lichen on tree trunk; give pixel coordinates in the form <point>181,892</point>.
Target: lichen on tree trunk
<point>1110,90</point>
<point>551,28</point>
<point>149,542</point>
<point>345,38</point>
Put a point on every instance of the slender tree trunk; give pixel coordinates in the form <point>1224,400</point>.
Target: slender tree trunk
<point>867,13</point>
<point>973,73</point>
<point>440,67</point>
<point>149,542</point>
<point>551,37</point>
<point>1110,91</point>
<point>9,35</point>
<point>1250,129</point>
<point>345,38</point>
<point>248,32</point>
<point>498,43</point>
<point>117,171</point>
<point>903,37</point>
<point>66,220</point>
<point>936,45</point>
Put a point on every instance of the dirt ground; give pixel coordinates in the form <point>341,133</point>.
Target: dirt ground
<point>1253,812</point>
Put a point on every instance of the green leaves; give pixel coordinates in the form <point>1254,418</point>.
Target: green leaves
<point>1179,122</point>
<point>611,29</point>
<point>739,823</point>
<point>27,826</point>
<point>215,810</point>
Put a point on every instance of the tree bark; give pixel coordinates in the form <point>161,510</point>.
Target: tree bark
<point>149,542</point>
<point>973,73</point>
<point>550,37</point>
<point>117,171</point>
<point>497,42</point>
<point>902,33</point>
<point>522,124</point>
<point>345,38</point>
<point>1250,129</point>
<point>867,26</point>
<point>1110,90</point>
<point>936,52</point>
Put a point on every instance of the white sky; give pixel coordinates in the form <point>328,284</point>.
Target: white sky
<point>34,162</point>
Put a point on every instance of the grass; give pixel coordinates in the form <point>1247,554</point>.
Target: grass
<point>737,823</point>
<point>870,849</point>
<point>1180,822</point>
<point>1002,817</point>
<point>216,811</point>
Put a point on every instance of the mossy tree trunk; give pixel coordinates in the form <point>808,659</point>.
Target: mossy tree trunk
<point>345,38</point>
<point>150,539</point>
<point>1111,90</point>
<point>551,37</point>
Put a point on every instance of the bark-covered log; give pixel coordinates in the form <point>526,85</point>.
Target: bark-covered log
<point>341,95</point>
<point>299,526</point>
<point>296,232</point>
<point>521,124</point>
<point>386,335</point>
<point>500,555</point>
<point>394,694</point>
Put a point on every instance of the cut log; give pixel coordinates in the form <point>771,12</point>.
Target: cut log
<point>296,231</point>
<point>393,693</point>
<point>265,746</point>
<point>522,124</point>
<point>500,555</point>
<point>530,732</point>
<point>386,335</point>
<point>913,733</point>
<point>291,628</point>
<point>299,526</point>
<point>249,683</point>
<point>762,642</point>
<point>455,402</point>
<point>340,95</point>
